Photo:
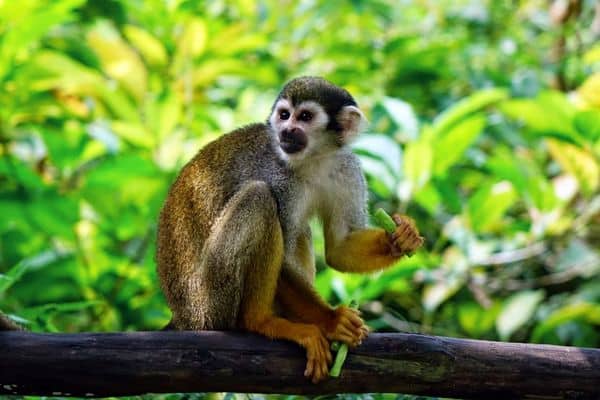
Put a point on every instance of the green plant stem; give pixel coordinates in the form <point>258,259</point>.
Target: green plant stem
<point>342,352</point>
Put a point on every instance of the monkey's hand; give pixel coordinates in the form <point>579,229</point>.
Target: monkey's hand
<point>406,238</point>
<point>347,327</point>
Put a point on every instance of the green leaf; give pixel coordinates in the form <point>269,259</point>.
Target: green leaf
<point>549,114</point>
<point>584,311</point>
<point>380,147</point>
<point>14,274</point>
<point>517,311</point>
<point>578,162</point>
<point>25,23</point>
<point>118,59</point>
<point>397,275</point>
<point>191,43</point>
<point>134,133</point>
<point>403,115</point>
<point>525,175</point>
<point>437,293</point>
<point>381,160</point>
<point>418,164</point>
<point>149,47</point>
<point>476,320</point>
<point>451,145</point>
<point>469,105</point>
<point>489,203</point>
<point>587,124</point>
<point>50,69</point>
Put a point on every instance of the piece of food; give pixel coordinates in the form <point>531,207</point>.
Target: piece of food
<point>342,350</point>
<point>384,220</point>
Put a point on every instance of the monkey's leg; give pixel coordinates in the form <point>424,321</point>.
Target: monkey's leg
<point>248,236</point>
<point>299,299</point>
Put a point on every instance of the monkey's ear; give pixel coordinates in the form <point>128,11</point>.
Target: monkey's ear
<point>352,121</point>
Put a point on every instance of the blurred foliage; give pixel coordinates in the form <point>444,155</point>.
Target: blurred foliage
<point>485,127</point>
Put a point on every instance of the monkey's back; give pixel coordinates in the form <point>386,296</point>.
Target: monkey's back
<point>197,197</point>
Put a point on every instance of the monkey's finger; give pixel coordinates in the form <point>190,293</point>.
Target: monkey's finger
<point>402,230</point>
<point>350,340</point>
<point>404,239</point>
<point>309,368</point>
<point>319,366</point>
<point>400,233</point>
<point>356,320</point>
<point>345,331</point>
<point>398,219</point>
<point>324,370</point>
<point>412,242</point>
<point>403,220</point>
<point>364,333</point>
<point>326,351</point>
<point>317,375</point>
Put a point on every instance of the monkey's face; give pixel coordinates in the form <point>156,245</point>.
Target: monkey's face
<point>303,130</point>
<point>298,127</point>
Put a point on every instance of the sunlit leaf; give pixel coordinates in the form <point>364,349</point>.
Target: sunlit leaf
<point>437,293</point>
<point>51,69</point>
<point>163,114</point>
<point>118,60</point>
<point>592,55</point>
<point>26,23</point>
<point>451,145</point>
<point>517,311</point>
<point>489,203</point>
<point>578,162</point>
<point>548,114</point>
<point>590,91</point>
<point>380,147</point>
<point>466,107</point>
<point>191,43</point>
<point>526,177</point>
<point>418,163</point>
<point>133,133</point>
<point>149,47</point>
<point>403,115</point>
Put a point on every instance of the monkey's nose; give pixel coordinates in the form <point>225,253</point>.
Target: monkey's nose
<point>292,140</point>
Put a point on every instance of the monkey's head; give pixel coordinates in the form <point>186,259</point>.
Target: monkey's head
<point>312,116</point>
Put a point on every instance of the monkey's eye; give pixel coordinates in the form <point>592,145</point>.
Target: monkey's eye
<point>305,116</point>
<point>284,114</point>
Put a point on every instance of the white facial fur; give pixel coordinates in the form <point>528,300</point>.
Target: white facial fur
<point>319,141</point>
<point>314,129</point>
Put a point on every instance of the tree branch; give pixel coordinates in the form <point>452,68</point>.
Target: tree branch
<point>116,364</point>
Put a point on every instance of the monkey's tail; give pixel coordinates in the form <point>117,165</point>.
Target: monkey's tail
<point>6,324</point>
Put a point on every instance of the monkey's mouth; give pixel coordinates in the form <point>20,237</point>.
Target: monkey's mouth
<point>292,142</point>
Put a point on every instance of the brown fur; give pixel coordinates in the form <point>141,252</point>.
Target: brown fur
<point>233,235</point>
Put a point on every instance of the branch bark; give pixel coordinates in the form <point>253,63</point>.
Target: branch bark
<point>117,364</point>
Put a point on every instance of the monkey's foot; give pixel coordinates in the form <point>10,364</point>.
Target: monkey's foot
<point>318,354</point>
<point>406,239</point>
<point>347,327</point>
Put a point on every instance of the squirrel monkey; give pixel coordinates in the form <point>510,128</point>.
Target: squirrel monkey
<point>234,245</point>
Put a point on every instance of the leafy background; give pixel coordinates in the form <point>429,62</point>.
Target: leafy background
<point>485,127</point>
